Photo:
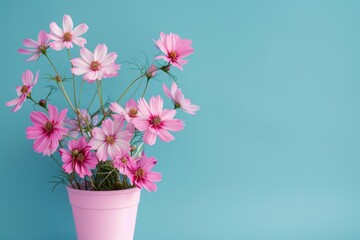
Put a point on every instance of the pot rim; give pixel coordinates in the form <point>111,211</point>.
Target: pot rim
<point>102,193</point>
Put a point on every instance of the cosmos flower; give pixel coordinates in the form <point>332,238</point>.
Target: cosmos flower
<point>139,173</point>
<point>154,121</point>
<point>174,48</point>
<point>67,36</point>
<point>36,48</point>
<point>47,130</point>
<point>97,65</point>
<point>23,91</point>
<point>79,158</point>
<point>179,100</point>
<point>110,140</point>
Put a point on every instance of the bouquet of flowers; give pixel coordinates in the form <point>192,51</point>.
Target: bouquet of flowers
<point>102,148</point>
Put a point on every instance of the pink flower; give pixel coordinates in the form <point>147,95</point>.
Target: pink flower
<point>151,72</point>
<point>64,38</point>
<point>97,65</point>
<point>155,121</point>
<point>23,91</point>
<point>131,110</point>
<point>110,140</point>
<point>139,173</point>
<point>121,161</point>
<point>79,158</point>
<point>175,49</point>
<point>36,47</point>
<point>47,130</point>
<point>179,100</point>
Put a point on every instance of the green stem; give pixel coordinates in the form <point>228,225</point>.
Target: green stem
<point>80,91</point>
<point>136,79</point>
<point>92,100</point>
<point>98,86</point>
<point>92,184</point>
<point>146,86</point>
<point>128,88</point>
<point>73,78</point>
<point>67,176</point>
<point>60,85</point>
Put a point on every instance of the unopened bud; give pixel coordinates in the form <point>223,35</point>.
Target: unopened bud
<point>42,103</point>
<point>58,78</point>
<point>133,147</point>
<point>166,68</point>
<point>150,73</point>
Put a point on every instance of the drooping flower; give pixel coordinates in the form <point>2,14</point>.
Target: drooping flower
<point>151,72</point>
<point>110,140</point>
<point>36,48</point>
<point>179,99</point>
<point>139,173</point>
<point>131,110</point>
<point>79,158</point>
<point>97,65</point>
<point>47,130</point>
<point>67,36</point>
<point>154,121</point>
<point>23,91</point>
<point>121,162</point>
<point>85,121</point>
<point>174,48</point>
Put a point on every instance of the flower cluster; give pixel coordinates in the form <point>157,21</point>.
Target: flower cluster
<point>102,148</point>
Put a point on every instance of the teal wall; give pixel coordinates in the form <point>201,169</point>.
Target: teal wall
<point>273,154</point>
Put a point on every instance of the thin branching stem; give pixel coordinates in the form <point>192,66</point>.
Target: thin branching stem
<point>99,91</point>
<point>73,78</point>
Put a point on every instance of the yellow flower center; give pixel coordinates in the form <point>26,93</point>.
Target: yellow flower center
<point>133,112</point>
<point>140,173</point>
<point>172,55</point>
<point>24,89</point>
<point>49,126</point>
<point>123,160</point>
<point>76,154</point>
<point>156,121</point>
<point>110,140</point>
<point>67,37</point>
<point>80,157</point>
<point>95,66</point>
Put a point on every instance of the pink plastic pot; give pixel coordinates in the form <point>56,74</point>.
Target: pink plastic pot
<point>104,215</point>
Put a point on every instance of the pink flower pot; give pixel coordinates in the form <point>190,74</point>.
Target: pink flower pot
<point>104,215</point>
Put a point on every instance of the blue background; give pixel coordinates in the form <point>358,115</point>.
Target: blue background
<point>272,154</point>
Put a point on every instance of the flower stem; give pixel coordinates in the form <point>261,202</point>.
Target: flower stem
<point>63,90</point>
<point>98,86</point>
<point>67,176</point>
<point>36,103</point>
<point>81,85</point>
<point>146,86</point>
<point>73,78</point>
<point>60,84</point>
<point>128,88</point>
<point>136,79</point>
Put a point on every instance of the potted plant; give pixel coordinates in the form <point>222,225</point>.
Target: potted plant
<point>101,149</point>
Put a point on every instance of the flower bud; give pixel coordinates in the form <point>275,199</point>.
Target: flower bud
<point>42,103</point>
<point>132,148</point>
<point>58,78</point>
<point>166,68</point>
<point>151,72</point>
